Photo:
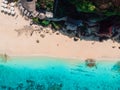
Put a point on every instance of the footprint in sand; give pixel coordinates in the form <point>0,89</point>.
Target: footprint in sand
<point>37,41</point>
<point>113,46</point>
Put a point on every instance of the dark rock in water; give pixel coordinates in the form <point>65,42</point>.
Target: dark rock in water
<point>90,63</point>
<point>85,88</point>
<point>116,67</point>
<point>10,88</point>
<point>30,82</point>
<point>40,87</point>
<point>30,88</point>
<point>30,85</point>
<point>55,87</point>
<point>3,87</point>
<point>20,86</point>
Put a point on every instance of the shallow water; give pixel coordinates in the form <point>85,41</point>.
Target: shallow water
<point>44,73</point>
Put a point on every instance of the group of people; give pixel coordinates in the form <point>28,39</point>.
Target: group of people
<point>8,7</point>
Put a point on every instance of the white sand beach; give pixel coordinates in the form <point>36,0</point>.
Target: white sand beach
<point>51,45</point>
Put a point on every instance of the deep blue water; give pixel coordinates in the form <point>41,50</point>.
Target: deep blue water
<point>23,73</point>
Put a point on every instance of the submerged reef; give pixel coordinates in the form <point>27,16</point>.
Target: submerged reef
<point>4,57</point>
<point>32,85</point>
<point>60,77</point>
<point>90,63</point>
<point>116,67</point>
<point>105,7</point>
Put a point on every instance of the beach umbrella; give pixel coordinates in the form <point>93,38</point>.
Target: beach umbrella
<point>5,10</point>
<point>6,2</point>
<point>2,9</point>
<point>4,5</point>
<point>13,13</point>
<point>8,11</point>
<point>12,8</point>
<point>12,4</point>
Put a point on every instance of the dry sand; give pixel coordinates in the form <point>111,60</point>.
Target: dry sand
<point>51,45</point>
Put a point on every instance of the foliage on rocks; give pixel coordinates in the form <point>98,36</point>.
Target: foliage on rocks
<point>106,7</point>
<point>45,4</point>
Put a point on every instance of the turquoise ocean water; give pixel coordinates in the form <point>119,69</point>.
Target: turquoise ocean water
<point>44,73</point>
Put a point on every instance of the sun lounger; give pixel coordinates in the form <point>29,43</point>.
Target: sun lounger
<point>12,4</point>
<point>13,13</point>
<point>2,9</point>
<point>4,5</point>
<point>21,10</point>
<point>12,8</point>
<point>28,14</point>
<point>25,12</point>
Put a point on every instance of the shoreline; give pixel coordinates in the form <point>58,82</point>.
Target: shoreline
<point>71,59</point>
<point>49,44</point>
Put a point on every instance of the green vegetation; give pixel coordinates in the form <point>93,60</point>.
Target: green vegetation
<point>83,5</point>
<point>35,20</point>
<point>55,25</point>
<point>45,22</point>
<point>105,7</point>
<point>41,22</point>
<point>45,4</point>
